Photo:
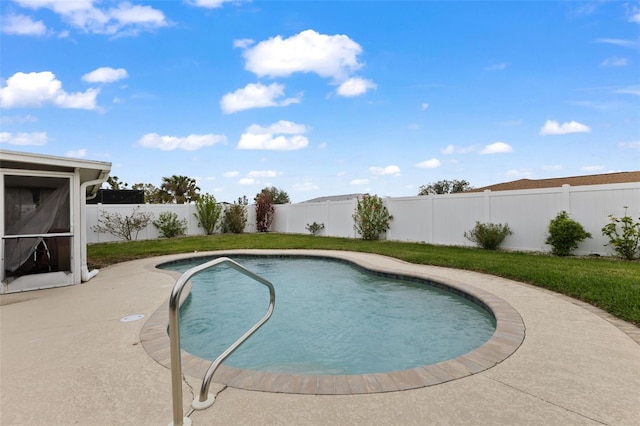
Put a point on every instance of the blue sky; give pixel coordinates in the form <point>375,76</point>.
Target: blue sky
<point>324,98</point>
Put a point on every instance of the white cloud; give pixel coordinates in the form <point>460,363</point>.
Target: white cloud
<point>280,136</point>
<point>614,61</point>
<point>448,150</point>
<point>248,181</point>
<point>631,90</point>
<point>360,182</point>
<point>424,106</point>
<point>231,174</point>
<point>519,173</point>
<point>355,86</point>
<point>552,127</point>
<point>510,123</point>
<point>187,143</point>
<point>243,43</point>
<point>495,67</point>
<point>255,95</point>
<point>263,174</point>
<point>429,164</point>
<point>617,42</point>
<point>269,142</point>
<point>306,186</point>
<point>8,120</point>
<point>24,139</point>
<point>22,25</point>
<point>329,56</point>
<point>40,88</point>
<point>210,4</point>
<point>592,168</point>
<point>453,149</point>
<point>124,18</point>
<point>388,170</point>
<point>496,148</point>
<point>105,75</point>
<point>634,14</point>
<point>635,144</point>
<point>79,153</point>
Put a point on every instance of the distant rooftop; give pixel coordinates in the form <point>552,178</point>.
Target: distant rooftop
<point>601,179</point>
<point>334,198</point>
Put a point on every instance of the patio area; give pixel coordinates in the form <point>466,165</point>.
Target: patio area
<point>66,358</point>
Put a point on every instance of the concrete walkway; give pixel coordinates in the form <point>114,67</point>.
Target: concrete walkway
<point>67,359</point>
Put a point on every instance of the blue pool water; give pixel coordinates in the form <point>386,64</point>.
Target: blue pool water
<point>330,318</point>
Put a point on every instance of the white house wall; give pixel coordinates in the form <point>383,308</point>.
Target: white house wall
<point>437,219</point>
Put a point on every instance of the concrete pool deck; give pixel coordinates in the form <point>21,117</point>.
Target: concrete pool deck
<point>66,358</point>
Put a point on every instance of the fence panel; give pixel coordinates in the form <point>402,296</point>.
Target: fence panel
<point>453,214</point>
<point>437,219</point>
<point>527,215</point>
<point>411,218</point>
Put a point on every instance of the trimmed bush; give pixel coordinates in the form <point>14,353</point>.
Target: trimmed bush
<point>235,217</point>
<point>314,228</point>
<point>169,225</point>
<point>488,236</point>
<point>565,234</point>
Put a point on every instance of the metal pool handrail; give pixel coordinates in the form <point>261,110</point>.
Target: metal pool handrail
<point>205,399</point>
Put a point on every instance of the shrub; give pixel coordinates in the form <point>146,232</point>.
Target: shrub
<point>264,211</point>
<point>208,213</point>
<point>314,228</point>
<point>169,225</point>
<point>489,236</point>
<point>565,234</point>
<point>235,217</point>
<point>371,217</point>
<point>626,241</point>
<point>123,227</point>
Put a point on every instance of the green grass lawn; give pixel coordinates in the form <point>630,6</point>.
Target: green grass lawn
<point>609,283</point>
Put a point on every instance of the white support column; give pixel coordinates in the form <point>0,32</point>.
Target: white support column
<point>487,206</point>
<point>566,198</point>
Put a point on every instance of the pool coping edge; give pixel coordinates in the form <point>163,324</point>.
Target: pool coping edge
<point>507,338</point>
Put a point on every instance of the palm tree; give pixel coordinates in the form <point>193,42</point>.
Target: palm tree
<point>181,189</point>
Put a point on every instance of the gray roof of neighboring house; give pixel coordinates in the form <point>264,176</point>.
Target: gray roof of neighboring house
<point>344,197</point>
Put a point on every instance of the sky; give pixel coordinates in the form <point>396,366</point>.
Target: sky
<point>321,98</point>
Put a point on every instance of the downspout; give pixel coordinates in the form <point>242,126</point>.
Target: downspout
<point>85,274</point>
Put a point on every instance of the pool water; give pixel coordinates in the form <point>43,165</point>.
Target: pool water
<point>330,318</point>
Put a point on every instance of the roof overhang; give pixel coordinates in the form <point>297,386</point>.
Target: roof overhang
<point>88,170</point>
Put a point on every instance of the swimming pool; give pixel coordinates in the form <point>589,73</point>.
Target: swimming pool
<point>507,338</point>
<point>331,318</point>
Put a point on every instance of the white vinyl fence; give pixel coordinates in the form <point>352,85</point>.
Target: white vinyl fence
<point>436,219</point>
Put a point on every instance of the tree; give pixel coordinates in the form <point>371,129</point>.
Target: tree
<point>180,189</point>
<point>115,184</point>
<point>278,196</point>
<point>445,187</point>
<point>152,194</point>
<point>208,212</point>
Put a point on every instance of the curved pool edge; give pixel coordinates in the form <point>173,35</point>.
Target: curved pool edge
<point>507,338</point>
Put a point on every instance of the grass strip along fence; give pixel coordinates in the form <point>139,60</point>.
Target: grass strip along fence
<point>606,282</point>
